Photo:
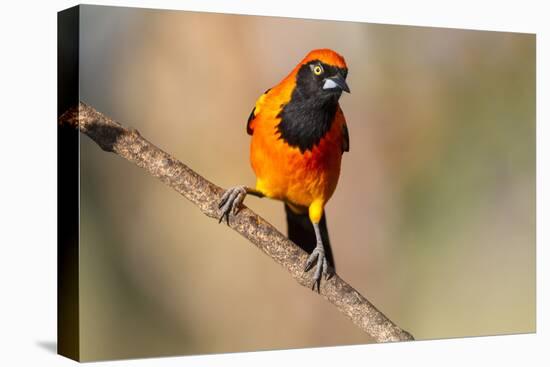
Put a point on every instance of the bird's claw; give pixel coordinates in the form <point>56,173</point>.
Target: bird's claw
<point>231,201</point>
<point>321,268</point>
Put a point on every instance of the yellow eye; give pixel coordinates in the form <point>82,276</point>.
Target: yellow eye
<point>317,70</point>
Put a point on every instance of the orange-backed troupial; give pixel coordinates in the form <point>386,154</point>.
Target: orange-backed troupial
<point>298,137</point>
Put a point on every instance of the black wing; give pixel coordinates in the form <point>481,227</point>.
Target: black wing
<point>345,138</point>
<point>250,118</point>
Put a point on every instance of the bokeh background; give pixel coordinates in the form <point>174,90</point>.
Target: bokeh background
<point>433,218</point>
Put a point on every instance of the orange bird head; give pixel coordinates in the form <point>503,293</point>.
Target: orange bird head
<point>326,56</point>
<point>321,74</point>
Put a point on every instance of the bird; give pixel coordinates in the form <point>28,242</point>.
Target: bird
<point>299,135</point>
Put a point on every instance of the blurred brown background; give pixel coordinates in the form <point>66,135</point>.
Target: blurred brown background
<point>433,219</point>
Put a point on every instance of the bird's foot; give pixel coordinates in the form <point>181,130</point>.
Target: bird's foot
<point>322,266</point>
<point>231,201</point>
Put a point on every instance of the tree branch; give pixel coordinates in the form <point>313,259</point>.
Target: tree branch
<point>129,144</point>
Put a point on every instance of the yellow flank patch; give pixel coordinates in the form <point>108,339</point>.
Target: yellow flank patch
<point>259,104</point>
<point>262,188</point>
<point>316,211</point>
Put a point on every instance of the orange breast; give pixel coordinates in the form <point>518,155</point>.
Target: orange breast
<point>285,173</point>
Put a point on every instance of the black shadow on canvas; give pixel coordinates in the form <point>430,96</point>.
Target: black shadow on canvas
<point>67,186</point>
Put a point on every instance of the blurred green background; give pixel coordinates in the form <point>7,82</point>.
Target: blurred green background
<point>433,218</point>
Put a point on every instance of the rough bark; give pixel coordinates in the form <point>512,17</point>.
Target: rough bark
<point>129,144</point>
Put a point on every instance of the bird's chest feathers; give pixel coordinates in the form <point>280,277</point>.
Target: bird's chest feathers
<point>305,121</point>
<point>303,161</point>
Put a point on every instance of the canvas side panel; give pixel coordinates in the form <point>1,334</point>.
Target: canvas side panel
<point>67,186</point>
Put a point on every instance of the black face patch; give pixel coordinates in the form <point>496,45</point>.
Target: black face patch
<point>309,114</point>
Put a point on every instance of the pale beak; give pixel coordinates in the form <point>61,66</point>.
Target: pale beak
<point>336,82</point>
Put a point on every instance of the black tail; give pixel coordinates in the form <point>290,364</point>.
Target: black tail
<point>301,232</point>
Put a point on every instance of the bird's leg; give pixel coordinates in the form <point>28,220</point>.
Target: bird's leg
<point>319,254</point>
<point>233,198</point>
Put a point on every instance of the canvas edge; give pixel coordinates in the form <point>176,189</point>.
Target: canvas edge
<point>68,315</point>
